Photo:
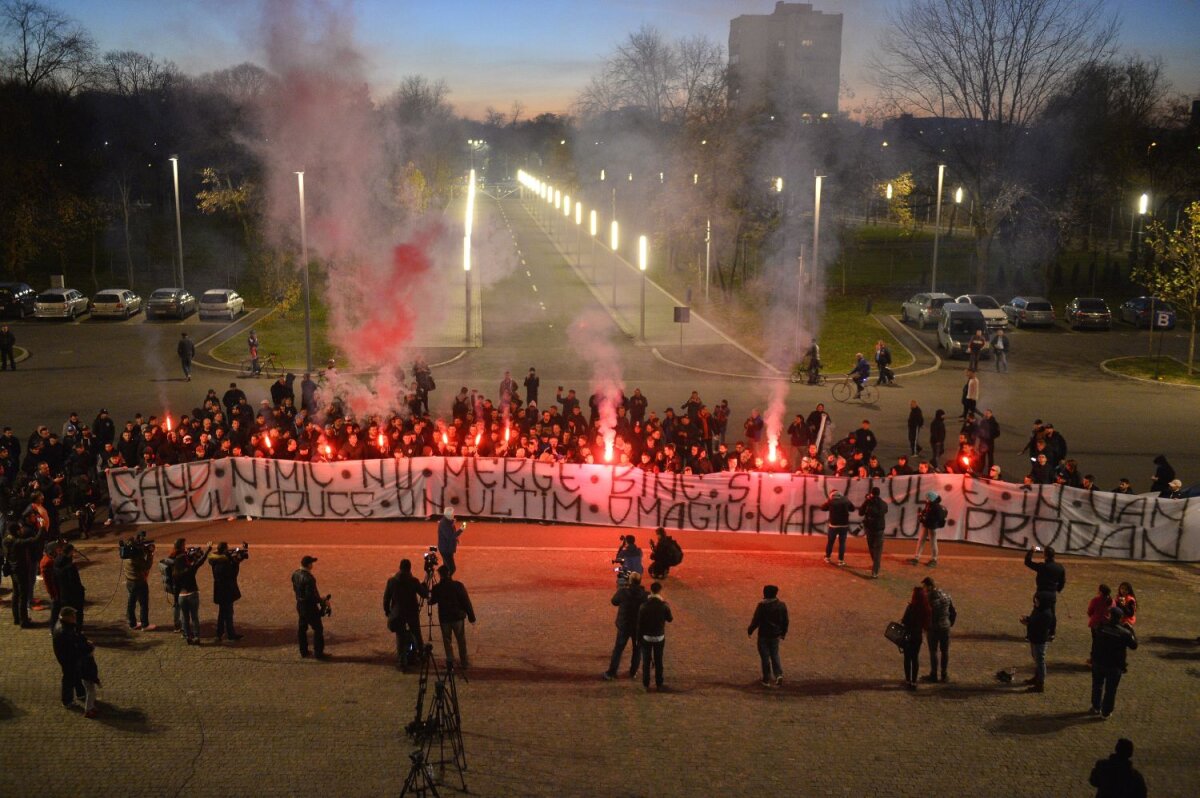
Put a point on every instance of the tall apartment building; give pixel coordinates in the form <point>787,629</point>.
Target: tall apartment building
<point>787,61</point>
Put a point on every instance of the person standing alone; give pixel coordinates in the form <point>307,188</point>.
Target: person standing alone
<point>8,345</point>
<point>771,621</point>
<point>653,618</point>
<point>309,606</point>
<point>874,511</point>
<point>187,353</point>
<point>1110,645</point>
<point>448,535</point>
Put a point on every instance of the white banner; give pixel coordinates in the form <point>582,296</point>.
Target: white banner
<point>1073,521</point>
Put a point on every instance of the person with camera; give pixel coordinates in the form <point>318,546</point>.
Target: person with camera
<point>771,621</point>
<point>80,677</point>
<point>402,606</point>
<point>448,535</point>
<point>187,592</point>
<point>137,558</point>
<point>225,567</point>
<point>1050,580</point>
<point>166,567</point>
<point>629,556</point>
<point>931,517</point>
<point>454,607</point>
<point>310,608</point>
<point>70,586</point>
<point>665,553</point>
<point>628,600</point>
<point>653,617</point>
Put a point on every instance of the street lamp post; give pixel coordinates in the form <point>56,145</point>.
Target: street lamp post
<point>816,263</point>
<point>178,226</point>
<point>592,228</point>
<point>643,246</point>
<point>707,254</point>
<point>308,360</point>
<point>614,240</point>
<point>937,226</point>
<point>578,230</point>
<point>467,225</point>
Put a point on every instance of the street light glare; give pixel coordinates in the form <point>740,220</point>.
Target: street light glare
<point>614,239</point>
<point>778,185</point>
<point>889,191</point>
<point>1144,204</point>
<point>643,245</point>
<point>958,195</point>
<point>592,223</point>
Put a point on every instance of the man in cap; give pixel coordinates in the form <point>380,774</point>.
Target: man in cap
<point>1176,489</point>
<point>448,535</point>
<point>309,605</point>
<point>932,518</point>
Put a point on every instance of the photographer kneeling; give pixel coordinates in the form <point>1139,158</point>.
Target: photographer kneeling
<point>665,554</point>
<point>225,567</point>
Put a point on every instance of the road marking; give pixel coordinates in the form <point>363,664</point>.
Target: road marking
<point>534,288</point>
<point>527,274</point>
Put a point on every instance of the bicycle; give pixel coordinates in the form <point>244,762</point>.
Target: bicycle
<point>846,389</point>
<point>799,374</point>
<point>267,367</point>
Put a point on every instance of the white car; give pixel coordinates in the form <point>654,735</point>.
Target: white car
<point>221,302</point>
<point>119,303</point>
<point>60,303</point>
<point>993,314</point>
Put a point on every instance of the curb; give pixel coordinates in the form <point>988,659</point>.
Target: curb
<point>937,359</point>
<point>1104,367</point>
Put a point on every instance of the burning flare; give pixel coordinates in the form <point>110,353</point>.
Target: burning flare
<point>772,444</point>
<point>168,422</point>
<point>608,450</point>
<point>381,442</point>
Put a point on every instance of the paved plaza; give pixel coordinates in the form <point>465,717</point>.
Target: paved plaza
<point>253,718</point>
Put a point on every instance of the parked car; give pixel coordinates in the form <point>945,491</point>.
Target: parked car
<point>1088,311</point>
<point>221,302</point>
<point>120,303</point>
<point>1137,311</point>
<point>60,303</point>
<point>959,323</point>
<point>992,313</point>
<point>924,309</point>
<point>16,300</point>
<point>1029,311</point>
<point>170,302</point>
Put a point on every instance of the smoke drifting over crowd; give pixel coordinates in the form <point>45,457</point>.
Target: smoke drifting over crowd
<point>588,336</point>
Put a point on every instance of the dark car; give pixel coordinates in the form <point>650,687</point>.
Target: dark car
<point>1088,312</point>
<point>16,300</point>
<point>170,302</point>
<point>1141,310</point>
<point>1029,311</point>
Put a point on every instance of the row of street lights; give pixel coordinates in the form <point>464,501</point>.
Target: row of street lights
<point>554,197</point>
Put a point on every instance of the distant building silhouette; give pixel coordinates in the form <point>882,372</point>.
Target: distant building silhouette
<point>787,62</point>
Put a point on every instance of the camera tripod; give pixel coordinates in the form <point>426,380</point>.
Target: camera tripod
<point>420,777</point>
<point>441,728</point>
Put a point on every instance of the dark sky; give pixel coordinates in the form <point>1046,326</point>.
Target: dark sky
<point>492,52</point>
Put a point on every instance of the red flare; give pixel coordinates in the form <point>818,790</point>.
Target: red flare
<point>608,451</point>
<point>445,439</point>
<point>168,423</point>
<point>966,461</point>
<point>328,450</point>
<point>267,441</point>
<point>381,441</point>
<point>507,433</point>
<point>771,451</point>
<point>478,437</point>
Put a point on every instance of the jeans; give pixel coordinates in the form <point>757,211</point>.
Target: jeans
<point>939,638</point>
<point>189,608</point>
<point>139,596</point>
<point>225,619</point>
<point>458,630</point>
<point>409,631</point>
<point>73,686</point>
<point>1038,650</point>
<point>875,546</point>
<point>926,532</point>
<point>1001,356</point>
<point>310,616</point>
<point>912,657</point>
<point>176,612</point>
<point>838,532</point>
<point>1105,680</point>
<point>652,650</point>
<point>913,446</point>
<point>448,561</point>
<point>768,652</point>
<point>624,635</point>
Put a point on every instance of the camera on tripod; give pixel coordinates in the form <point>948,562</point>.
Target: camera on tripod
<point>621,571</point>
<point>135,546</point>
<point>431,559</point>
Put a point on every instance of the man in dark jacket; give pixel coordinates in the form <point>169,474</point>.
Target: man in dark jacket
<point>1037,631</point>
<point>70,586</point>
<point>664,553</point>
<point>74,654</point>
<point>874,511</point>
<point>628,600</point>
<point>186,349</point>
<point>1163,474</point>
<point>941,617</point>
<point>309,605</point>
<point>1116,777</point>
<point>188,592</point>
<point>454,607</point>
<point>402,606</point>
<point>1050,580</point>
<point>1110,643</point>
<point>771,621</point>
<point>653,618</point>
<point>448,534</point>
<point>225,568</point>
<point>839,509</point>
<point>22,542</point>
<point>8,343</point>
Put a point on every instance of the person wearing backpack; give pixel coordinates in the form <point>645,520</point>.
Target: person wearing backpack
<point>942,616</point>
<point>771,621</point>
<point>167,568</point>
<point>932,518</point>
<point>665,554</point>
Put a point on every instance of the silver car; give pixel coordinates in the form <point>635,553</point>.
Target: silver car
<point>170,302</point>
<point>995,317</point>
<point>221,302</point>
<point>117,303</point>
<point>924,309</point>
<point>1029,311</point>
<point>60,303</point>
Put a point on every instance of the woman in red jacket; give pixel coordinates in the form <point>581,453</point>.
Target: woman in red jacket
<point>916,621</point>
<point>1127,602</point>
<point>1097,611</point>
<point>46,569</point>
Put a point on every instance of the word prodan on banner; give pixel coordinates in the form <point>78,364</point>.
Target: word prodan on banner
<point>1073,521</point>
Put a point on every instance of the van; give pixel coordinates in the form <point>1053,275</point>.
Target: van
<point>957,327</point>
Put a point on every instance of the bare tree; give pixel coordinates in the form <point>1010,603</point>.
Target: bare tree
<point>995,63</point>
<point>42,47</point>
<point>132,74</point>
<point>701,78</point>
<point>243,84</point>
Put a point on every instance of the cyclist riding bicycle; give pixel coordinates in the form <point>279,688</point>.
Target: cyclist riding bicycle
<point>813,356</point>
<point>860,373</point>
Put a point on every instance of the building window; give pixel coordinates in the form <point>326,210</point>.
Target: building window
<point>806,42</point>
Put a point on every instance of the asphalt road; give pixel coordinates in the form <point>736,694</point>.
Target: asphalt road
<point>1113,426</point>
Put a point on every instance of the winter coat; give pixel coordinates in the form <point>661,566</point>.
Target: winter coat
<point>873,510</point>
<point>770,619</point>
<point>839,508</point>
<point>629,600</point>
<point>452,601</point>
<point>654,616</point>
<point>1110,645</point>
<point>447,536</point>
<point>225,578</point>
<point>1050,575</point>
<point>70,586</point>
<point>400,597</point>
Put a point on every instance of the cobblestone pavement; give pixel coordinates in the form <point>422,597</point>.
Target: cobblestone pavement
<point>253,718</point>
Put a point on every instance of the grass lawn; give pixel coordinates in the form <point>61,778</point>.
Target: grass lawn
<point>1169,369</point>
<point>284,337</point>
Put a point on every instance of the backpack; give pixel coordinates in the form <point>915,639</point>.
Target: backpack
<point>675,553</point>
<point>167,567</point>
